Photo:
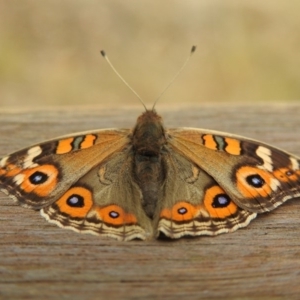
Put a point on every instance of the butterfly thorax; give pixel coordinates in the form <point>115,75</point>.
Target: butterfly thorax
<point>148,140</point>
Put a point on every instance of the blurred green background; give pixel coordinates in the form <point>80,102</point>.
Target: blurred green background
<point>246,51</point>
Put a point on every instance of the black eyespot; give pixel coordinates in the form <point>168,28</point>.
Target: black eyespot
<point>182,210</point>
<point>75,201</point>
<point>255,180</point>
<point>289,173</point>
<point>114,214</point>
<point>221,200</point>
<point>38,178</point>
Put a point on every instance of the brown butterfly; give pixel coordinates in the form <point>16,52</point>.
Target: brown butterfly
<point>151,182</point>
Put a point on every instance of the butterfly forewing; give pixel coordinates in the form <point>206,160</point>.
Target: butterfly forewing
<point>38,175</point>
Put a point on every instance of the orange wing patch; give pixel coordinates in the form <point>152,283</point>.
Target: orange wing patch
<point>233,146</point>
<point>210,142</point>
<point>89,141</point>
<point>64,146</point>
<point>10,170</point>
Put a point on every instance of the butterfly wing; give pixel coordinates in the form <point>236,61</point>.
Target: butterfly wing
<point>105,201</point>
<point>218,182</point>
<point>257,177</point>
<point>81,182</point>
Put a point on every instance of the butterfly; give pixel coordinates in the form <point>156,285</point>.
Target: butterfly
<point>151,182</point>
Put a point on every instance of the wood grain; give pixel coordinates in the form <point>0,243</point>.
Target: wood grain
<point>41,261</point>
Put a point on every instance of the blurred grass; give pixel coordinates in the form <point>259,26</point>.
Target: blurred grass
<point>246,51</point>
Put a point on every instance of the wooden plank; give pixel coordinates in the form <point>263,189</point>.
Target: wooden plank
<point>41,261</point>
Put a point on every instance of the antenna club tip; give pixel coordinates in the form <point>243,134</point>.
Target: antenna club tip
<point>103,53</point>
<point>193,49</point>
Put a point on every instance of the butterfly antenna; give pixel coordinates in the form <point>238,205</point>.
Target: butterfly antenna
<point>174,78</point>
<point>125,82</point>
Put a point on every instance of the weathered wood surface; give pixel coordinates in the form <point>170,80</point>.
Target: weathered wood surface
<point>41,261</point>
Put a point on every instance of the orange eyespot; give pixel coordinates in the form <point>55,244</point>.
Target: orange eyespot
<point>64,146</point>
<point>115,215</point>
<point>218,204</point>
<point>76,202</point>
<point>40,180</point>
<point>285,175</point>
<point>253,182</point>
<point>181,211</point>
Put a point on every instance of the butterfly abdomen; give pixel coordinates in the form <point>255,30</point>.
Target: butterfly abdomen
<point>147,140</point>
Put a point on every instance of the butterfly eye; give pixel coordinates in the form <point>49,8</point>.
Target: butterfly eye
<point>75,201</point>
<point>220,200</point>
<point>38,178</point>
<point>255,180</point>
<point>114,214</point>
